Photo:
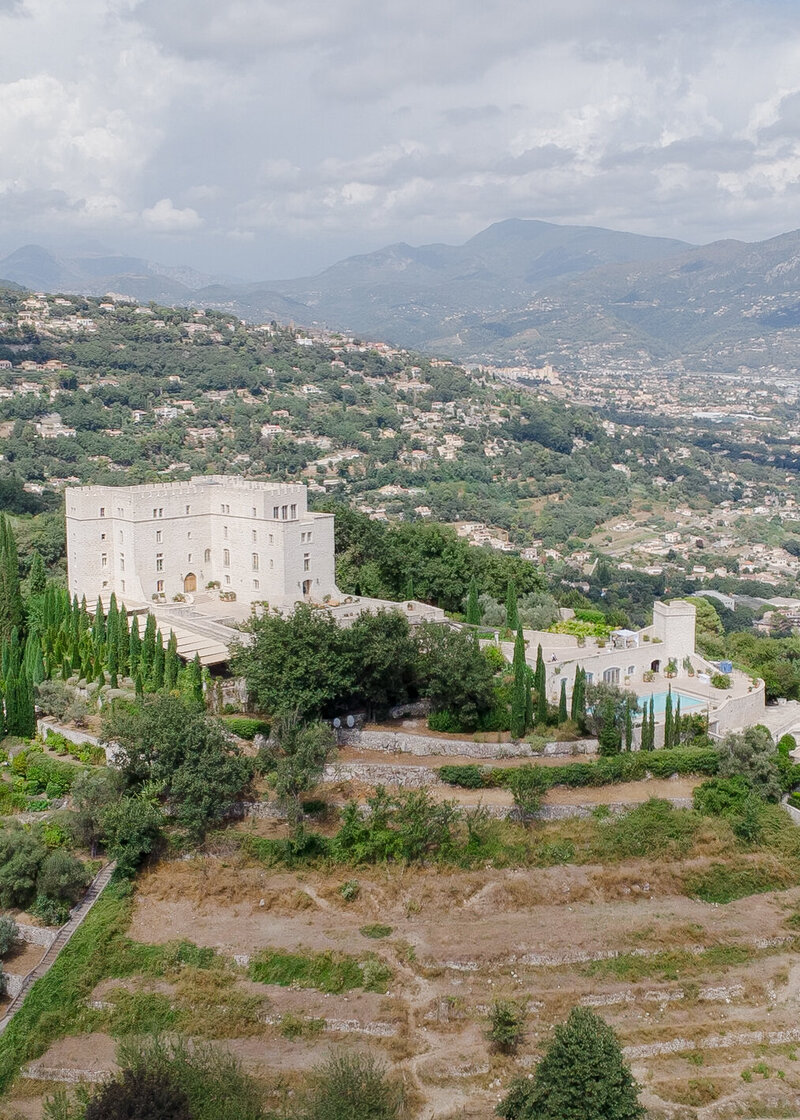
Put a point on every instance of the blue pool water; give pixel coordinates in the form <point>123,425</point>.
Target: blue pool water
<point>660,701</point>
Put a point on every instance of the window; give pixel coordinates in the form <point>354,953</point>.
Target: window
<point>102,511</point>
<point>123,587</point>
<point>255,561</point>
<point>189,558</point>
<point>158,536</point>
<point>159,585</point>
<point>158,512</point>
<point>189,535</point>
<point>306,562</point>
<point>254,536</point>
<point>104,560</point>
<point>308,536</point>
<point>159,561</point>
<point>227,580</point>
<point>256,585</point>
<point>207,556</point>
<point>293,512</point>
<point>102,536</point>
<point>226,558</point>
<point>155,513</point>
<point>105,583</point>
<point>224,508</point>
<point>284,512</point>
<point>225,531</point>
<point>272,563</point>
<point>271,539</point>
<point>121,563</point>
<point>631,670</point>
<point>188,509</point>
<point>255,512</point>
<point>275,512</point>
<point>120,511</point>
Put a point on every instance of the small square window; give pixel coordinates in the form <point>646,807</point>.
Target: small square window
<point>256,585</point>
<point>158,536</point>
<point>188,509</point>
<point>102,536</point>
<point>255,512</point>
<point>271,539</point>
<point>227,580</point>
<point>104,561</point>
<point>102,511</point>
<point>159,585</point>
<point>254,536</point>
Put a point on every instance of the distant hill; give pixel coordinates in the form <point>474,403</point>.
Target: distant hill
<point>520,291</point>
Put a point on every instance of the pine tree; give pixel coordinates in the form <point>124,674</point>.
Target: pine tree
<point>668,720</point>
<point>473,606</point>
<point>562,702</point>
<point>582,1076</point>
<point>512,618</point>
<point>37,578</point>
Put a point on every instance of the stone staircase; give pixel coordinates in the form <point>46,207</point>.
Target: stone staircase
<point>93,892</point>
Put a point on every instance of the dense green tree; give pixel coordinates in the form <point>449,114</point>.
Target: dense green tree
<point>519,689</point>
<point>453,672</point>
<point>668,721</point>
<point>582,1076</point>
<point>295,756</point>
<point>37,577</point>
<point>562,702</point>
<point>186,755</point>
<point>752,755</point>
<point>380,656</point>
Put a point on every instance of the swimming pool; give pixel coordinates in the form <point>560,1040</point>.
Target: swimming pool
<point>660,701</point>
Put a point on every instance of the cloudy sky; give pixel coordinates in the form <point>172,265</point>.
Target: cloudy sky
<point>268,138</point>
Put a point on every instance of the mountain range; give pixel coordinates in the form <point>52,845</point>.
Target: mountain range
<point>521,291</point>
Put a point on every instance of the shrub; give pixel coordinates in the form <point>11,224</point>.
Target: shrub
<point>21,856</point>
<point>467,777</point>
<point>722,796</point>
<point>62,877</point>
<point>9,933</point>
<point>349,1086</point>
<point>350,890</point>
<point>246,728</point>
<point>444,721</point>
<point>50,911</point>
<point>720,680</point>
<point>724,882</point>
<point>506,1026</point>
<point>327,972</point>
<point>376,930</point>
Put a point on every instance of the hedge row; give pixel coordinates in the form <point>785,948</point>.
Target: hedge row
<point>628,767</point>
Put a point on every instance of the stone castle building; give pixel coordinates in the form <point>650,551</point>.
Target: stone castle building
<point>154,542</point>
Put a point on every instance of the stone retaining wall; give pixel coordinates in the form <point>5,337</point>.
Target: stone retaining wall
<point>37,935</point>
<point>382,774</point>
<point>403,742</point>
<point>13,984</point>
<point>46,724</point>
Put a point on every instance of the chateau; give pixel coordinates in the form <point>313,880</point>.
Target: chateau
<point>152,543</point>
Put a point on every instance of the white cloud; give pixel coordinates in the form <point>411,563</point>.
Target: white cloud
<point>316,126</point>
<point>166,218</point>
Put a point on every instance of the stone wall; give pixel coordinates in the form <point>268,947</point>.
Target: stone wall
<point>402,742</point>
<point>46,724</point>
<point>37,935</point>
<point>382,774</point>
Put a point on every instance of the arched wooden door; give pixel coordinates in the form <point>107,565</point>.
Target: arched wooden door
<point>190,582</point>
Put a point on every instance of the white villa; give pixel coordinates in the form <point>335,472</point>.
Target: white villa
<point>203,555</point>
<point>649,662</point>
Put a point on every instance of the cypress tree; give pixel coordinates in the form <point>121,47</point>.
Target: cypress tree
<point>196,680</point>
<point>512,618</point>
<point>628,727</point>
<point>409,588</point>
<point>38,673</point>
<point>139,686</point>
<point>473,606</point>
<point>668,724</point>
<point>562,702</point>
<point>529,713</point>
<point>519,703</point>
<point>37,578</point>
<point>12,611</point>
<point>123,640</point>
<point>676,727</point>
<point>651,735</point>
<point>540,678</point>
<point>134,647</point>
<point>99,625</point>
<point>148,650</point>
<point>158,664</point>
<point>171,663</point>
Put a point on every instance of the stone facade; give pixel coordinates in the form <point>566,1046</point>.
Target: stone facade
<point>154,542</point>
